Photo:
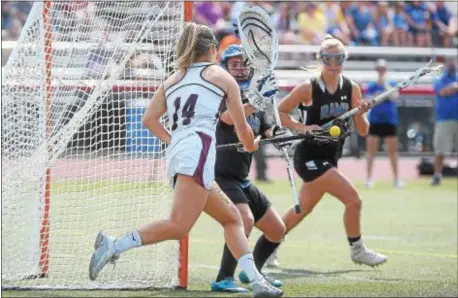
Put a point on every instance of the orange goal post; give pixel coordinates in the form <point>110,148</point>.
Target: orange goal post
<point>75,156</point>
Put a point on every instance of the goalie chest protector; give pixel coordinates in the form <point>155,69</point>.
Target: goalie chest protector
<point>326,106</point>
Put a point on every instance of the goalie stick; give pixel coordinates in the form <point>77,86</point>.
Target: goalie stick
<point>260,42</point>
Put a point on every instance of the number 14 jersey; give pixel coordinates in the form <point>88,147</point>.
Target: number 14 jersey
<point>193,103</point>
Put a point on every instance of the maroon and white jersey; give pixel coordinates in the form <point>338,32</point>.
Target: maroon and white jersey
<point>193,103</point>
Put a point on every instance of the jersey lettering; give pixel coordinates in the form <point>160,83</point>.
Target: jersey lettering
<point>333,109</point>
<point>187,113</point>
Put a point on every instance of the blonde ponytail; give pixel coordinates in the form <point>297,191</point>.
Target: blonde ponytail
<point>186,45</point>
<point>195,41</point>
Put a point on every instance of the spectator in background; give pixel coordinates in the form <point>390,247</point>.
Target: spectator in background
<point>210,14</point>
<point>383,120</point>
<point>361,20</point>
<point>335,22</point>
<point>441,33</point>
<point>418,16</point>
<point>446,108</point>
<point>384,21</point>
<point>311,24</point>
<point>401,34</point>
<point>282,21</point>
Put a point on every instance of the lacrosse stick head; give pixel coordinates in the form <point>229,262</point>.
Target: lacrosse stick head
<point>259,38</point>
<point>427,69</point>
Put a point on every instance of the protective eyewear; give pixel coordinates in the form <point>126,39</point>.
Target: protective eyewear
<point>332,59</point>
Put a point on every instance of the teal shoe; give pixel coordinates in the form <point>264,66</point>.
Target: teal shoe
<point>227,285</point>
<point>274,282</point>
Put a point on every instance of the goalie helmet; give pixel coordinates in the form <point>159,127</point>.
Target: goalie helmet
<point>236,50</point>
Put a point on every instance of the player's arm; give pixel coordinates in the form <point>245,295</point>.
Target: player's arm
<point>360,119</point>
<point>151,119</point>
<point>445,90</point>
<point>226,116</point>
<point>300,94</point>
<point>235,108</point>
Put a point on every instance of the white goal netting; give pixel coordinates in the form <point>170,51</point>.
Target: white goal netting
<point>65,110</point>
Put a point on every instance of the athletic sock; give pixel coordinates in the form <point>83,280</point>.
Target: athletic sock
<point>247,263</point>
<point>263,250</point>
<point>353,240</point>
<point>228,265</point>
<point>128,241</point>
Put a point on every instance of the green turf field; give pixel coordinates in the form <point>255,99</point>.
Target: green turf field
<point>415,227</point>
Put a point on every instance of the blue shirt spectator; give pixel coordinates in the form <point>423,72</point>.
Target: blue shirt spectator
<point>418,11</point>
<point>446,106</point>
<point>442,14</point>
<point>385,112</point>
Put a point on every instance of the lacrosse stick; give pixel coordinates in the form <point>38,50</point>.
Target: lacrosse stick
<point>321,136</point>
<point>260,42</point>
<point>427,69</point>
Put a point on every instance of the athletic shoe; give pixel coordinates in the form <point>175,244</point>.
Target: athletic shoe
<point>104,253</point>
<point>360,254</point>
<point>369,183</point>
<point>227,285</point>
<point>272,261</point>
<point>436,180</point>
<point>261,288</point>
<point>272,281</point>
<point>398,183</point>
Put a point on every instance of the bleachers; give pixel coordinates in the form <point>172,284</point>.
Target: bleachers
<point>402,61</point>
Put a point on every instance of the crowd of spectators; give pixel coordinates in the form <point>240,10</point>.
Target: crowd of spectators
<point>374,23</point>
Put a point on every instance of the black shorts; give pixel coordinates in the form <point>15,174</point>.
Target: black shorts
<point>309,170</point>
<point>382,130</point>
<point>255,199</point>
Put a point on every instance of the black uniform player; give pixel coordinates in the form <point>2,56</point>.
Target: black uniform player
<point>231,173</point>
<point>327,96</point>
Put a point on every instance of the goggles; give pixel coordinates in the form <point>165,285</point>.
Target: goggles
<point>333,59</point>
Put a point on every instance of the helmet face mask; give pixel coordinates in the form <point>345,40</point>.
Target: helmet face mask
<point>233,60</point>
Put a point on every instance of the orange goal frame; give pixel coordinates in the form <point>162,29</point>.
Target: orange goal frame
<point>44,230</point>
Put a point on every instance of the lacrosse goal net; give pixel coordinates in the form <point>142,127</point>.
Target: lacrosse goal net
<point>75,156</point>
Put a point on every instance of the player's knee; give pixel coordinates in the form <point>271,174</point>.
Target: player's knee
<point>248,222</point>
<point>276,232</point>
<point>234,217</point>
<point>354,200</point>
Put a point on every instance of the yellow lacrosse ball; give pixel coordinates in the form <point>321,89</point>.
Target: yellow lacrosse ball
<point>334,131</point>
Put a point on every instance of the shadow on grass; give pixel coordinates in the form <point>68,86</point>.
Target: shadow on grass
<point>299,273</point>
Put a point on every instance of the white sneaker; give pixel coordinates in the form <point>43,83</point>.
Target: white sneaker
<point>360,254</point>
<point>398,183</point>
<point>261,288</point>
<point>272,261</point>
<point>369,183</point>
<point>104,253</point>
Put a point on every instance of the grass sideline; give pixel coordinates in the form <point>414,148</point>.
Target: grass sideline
<point>415,226</point>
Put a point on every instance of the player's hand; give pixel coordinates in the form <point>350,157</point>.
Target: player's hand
<point>261,90</point>
<point>306,128</point>
<point>363,106</point>
<point>278,131</point>
<point>255,146</point>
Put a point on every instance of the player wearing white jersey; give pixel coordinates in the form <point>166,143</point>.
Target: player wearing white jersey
<point>192,97</point>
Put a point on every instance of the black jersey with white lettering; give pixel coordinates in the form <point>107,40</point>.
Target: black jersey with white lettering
<point>324,108</point>
<point>230,163</point>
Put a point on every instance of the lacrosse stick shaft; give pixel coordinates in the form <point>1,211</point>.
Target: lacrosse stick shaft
<point>266,141</point>
<point>292,181</point>
<point>401,85</point>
